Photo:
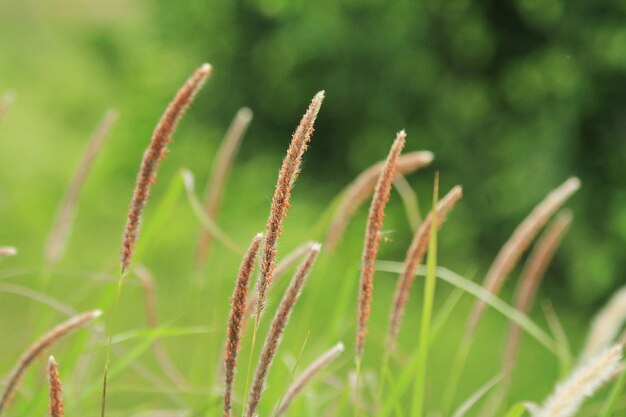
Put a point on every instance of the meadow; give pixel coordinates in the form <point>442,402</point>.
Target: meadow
<point>472,331</point>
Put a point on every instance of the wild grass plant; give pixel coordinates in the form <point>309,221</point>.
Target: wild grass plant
<point>226,371</point>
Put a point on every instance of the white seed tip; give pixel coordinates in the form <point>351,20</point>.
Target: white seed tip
<point>206,68</point>
<point>340,347</point>
<point>316,247</point>
<point>8,251</point>
<point>320,94</point>
<point>51,359</point>
<point>574,183</point>
<point>96,313</point>
<point>188,178</point>
<point>245,114</point>
<point>428,156</point>
<point>258,236</point>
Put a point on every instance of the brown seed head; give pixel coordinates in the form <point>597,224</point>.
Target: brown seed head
<point>277,328</point>
<point>57,240</point>
<point>532,275</point>
<point>372,239</point>
<point>414,258</point>
<point>37,348</point>
<point>221,168</point>
<point>288,174</point>
<point>152,157</point>
<point>56,397</point>
<point>517,244</point>
<point>237,314</point>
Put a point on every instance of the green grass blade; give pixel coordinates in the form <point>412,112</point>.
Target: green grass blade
<point>205,220</point>
<point>427,312</point>
<point>496,303</point>
<point>153,225</point>
<point>517,410</point>
<point>475,397</point>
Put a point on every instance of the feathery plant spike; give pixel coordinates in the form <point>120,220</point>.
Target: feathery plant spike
<point>61,228</point>
<point>222,165</point>
<point>583,382</point>
<point>56,391</point>
<point>289,171</point>
<point>606,325</point>
<point>307,375</point>
<point>37,349</point>
<point>235,321</point>
<point>372,240</point>
<point>152,157</point>
<point>281,269</point>
<point>358,191</point>
<point>517,244</point>
<point>427,310</point>
<point>276,330</point>
<point>414,257</point>
<point>287,175</point>
<point>531,277</point>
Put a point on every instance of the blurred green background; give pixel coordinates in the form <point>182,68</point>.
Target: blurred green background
<point>512,97</point>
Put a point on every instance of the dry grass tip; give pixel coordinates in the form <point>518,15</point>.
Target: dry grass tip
<point>307,375</point>
<point>517,244</point>
<point>56,244</point>
<point>221,168</point>
<point>37,349</point>
<point>56,391</point>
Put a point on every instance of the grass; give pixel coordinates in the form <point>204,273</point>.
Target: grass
<point>323,317</point>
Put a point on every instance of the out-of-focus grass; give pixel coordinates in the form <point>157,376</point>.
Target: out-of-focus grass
<point>56,62</point>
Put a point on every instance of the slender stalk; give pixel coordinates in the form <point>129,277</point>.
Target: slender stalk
<point>148,287</point>
<point>222,165</point>
<point>60,231</point>
<point>409,200</point>
<point>37,349</point>
<point>427,311</point>
<point>307,375</point>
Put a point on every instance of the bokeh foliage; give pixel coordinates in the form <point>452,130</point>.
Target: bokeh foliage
<point>512,96</point>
